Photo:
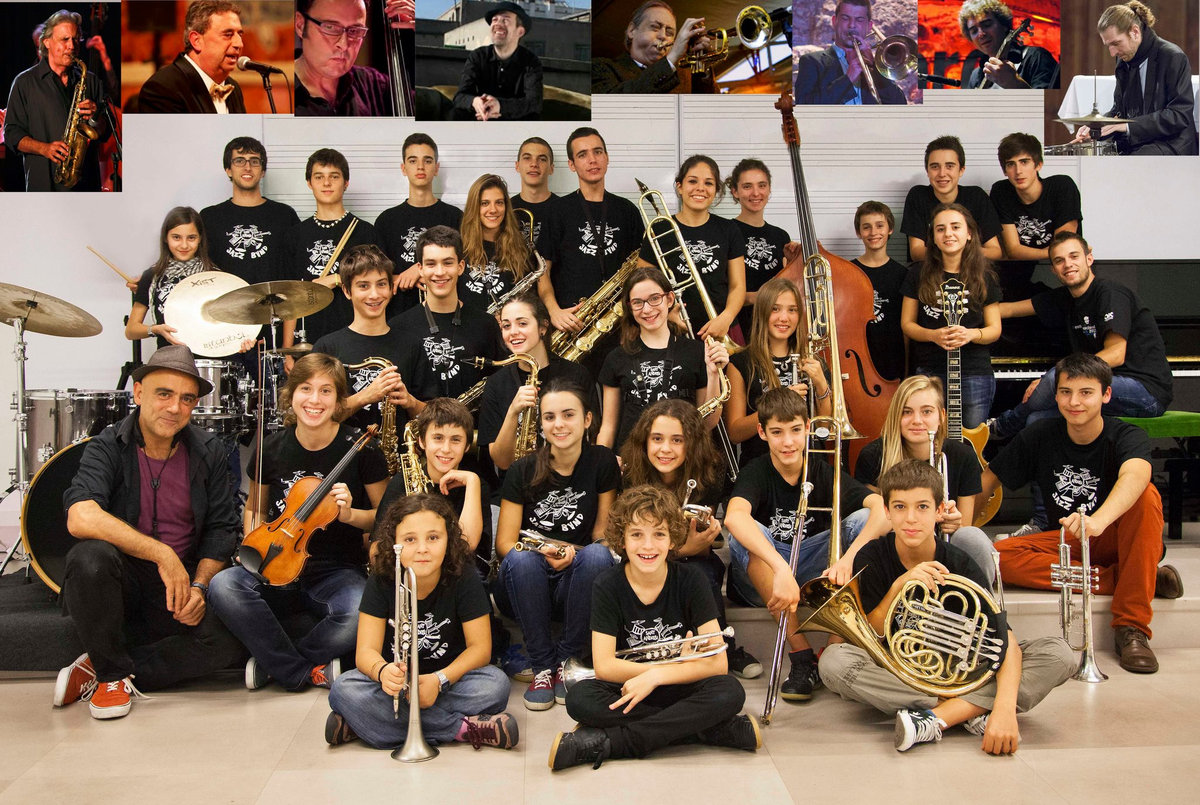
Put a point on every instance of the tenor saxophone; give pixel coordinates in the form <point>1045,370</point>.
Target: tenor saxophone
<point>79,134</point>
<point>387,424</point>
<point>526,282</point>
<point>415,479</point>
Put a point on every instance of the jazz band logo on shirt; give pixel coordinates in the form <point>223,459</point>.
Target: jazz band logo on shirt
<point>361,378</point>
<point>442,356</point>
<point>318,255</point>
<point>587,242</point>
<point>559,511</point>
<point>246,238</point>
<point>1109,315</point>
<point>759,255</point>
<point>932,312</point>
<point>485,279</point>
<point>1033,232</point>
<point>642,635</point>
<point>287,484</point>
<point>429,637</point>
<point>652,383</point>
<point>1074,488</point>
<point>409,250</point>
<point>878,307</point>
<point>703,255</point>
<point>783,525</point>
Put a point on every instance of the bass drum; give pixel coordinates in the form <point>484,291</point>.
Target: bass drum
<point>43,520</point>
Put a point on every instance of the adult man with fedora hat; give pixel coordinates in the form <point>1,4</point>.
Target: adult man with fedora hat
<point>503,80</point>
<point>155,519</point>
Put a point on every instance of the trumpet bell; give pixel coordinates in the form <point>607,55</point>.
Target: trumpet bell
<point>753,27</point>
<point>896,57</point>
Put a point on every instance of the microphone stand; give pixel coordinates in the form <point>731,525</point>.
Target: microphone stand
<point>266,77</point>
<point>118,154</point>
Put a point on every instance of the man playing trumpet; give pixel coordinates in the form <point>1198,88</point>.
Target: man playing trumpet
<point>654,47</point>
<point>836,74</point>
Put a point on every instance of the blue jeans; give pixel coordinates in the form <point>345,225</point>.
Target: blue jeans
<point>534,593</point>
<point>814,554</point>
<point>251,609</point>
<point>978,391</point>
<point>1129,398</point>
<point>368,710</point>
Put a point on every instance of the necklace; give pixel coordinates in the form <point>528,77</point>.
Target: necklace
<point>329,224</point>
<point>154,483</point>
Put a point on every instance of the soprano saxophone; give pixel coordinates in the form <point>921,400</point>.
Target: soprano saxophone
<point>527,421</point>
<point>387,424</point>
<point>526,282</point>
<point>79,134</point>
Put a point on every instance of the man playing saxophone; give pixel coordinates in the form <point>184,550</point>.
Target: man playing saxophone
<point>44,100</point>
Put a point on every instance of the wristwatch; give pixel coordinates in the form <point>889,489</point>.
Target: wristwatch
<point>443,682</point>
<point>202,587</point>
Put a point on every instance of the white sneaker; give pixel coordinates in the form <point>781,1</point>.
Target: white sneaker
<point>916,727</point>
<point>333,670</point>
<point>1029,528</point>
<point>256,676</point>
<point>976,725</point>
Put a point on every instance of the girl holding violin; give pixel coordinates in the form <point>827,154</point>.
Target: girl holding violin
<point>461,696</point>
<point>715,244</point>
<point>330,585</point>
<point>496,252</point>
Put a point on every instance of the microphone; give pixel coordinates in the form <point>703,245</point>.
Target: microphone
<point>244,63</point>
<point>930,77</point>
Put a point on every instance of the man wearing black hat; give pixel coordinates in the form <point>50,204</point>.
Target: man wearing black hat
<point>503,80</point>
<point>154,515</point>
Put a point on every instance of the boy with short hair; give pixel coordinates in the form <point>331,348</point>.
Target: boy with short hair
<point>874,224</point>
<point>945,163</point>
<point>1032,210</point>
<point>761,517</point>
<point>632,708</point>
<point>535,166</point>
<point>913,552</point>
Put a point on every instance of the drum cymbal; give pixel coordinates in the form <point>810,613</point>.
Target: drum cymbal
<point>184,310</point>
<point>297,351</point>
<point>43,313</point>
<point>256,304</point>
<point>1092,119</point>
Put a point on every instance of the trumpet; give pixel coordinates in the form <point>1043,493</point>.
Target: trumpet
<point>694,511</point>
<point>533,541</point>
<point>754,27</point>
<point>895,57</point>
<point>1084,579</point>
<point>682,649</point>
<point>404,649</point>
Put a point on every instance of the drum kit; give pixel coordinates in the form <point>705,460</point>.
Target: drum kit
<point>1094,120</point>
<point>212,312</point>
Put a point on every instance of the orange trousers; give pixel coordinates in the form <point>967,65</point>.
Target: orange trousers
<point>1127,554</point>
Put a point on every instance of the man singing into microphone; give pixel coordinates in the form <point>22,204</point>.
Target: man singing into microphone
<point>198,80</point>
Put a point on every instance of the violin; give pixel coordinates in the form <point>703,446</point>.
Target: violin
<point>276,551</point>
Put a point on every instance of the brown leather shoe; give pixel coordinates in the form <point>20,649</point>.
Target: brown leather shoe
<point>1133,647</point>
<point>1167,583</point>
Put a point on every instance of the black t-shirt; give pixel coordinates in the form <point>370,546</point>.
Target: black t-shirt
<point>773,500</point>
<point>589,242</point>
<point>309,246</point>
<point>926,355</point>
<point>153,291</point>
<point>565,507</point>
<point>885,339</point>
<point>921,201</point>
<point>457,497</point>
<point>684,604</point>
<point>481,286</point>
<point>399,228</point>
<point>1069,474</point>
<point>676,372</point>
<point>881,566</point>
<point>545,220</point>
<point>285,461</point>
<point>440,617</point>
<point>712,245</point>
<point>248,241</point>
<point>755,387</point>
<point>432,364</point>
<point>764,259</point>
<point>1037,222</point>
<point>350,348</point>
<point>502,387</point>
<point>1109,307</point>
<point>962,467</point>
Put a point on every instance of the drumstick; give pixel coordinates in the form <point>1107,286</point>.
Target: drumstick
<point>108,263</point>
<point>333,258</point>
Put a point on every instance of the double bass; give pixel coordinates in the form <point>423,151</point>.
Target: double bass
<point>867,393</point>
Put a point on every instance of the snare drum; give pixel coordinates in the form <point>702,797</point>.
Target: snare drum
<point>223,409</point>
<point>44,522</point>
<point>1091,148</point>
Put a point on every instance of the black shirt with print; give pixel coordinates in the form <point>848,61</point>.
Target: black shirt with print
<point>564,507</point>
<point>248,241</point>
<point>434,364</point>
<point>773,500</point>
<point>480,286</point>
<point>1037,222</point>
<point>885,339</point>
<point>756,386</point>
<point>399,228</point>
<point>153,291</point>
<point>351,348</point>
<point>309,246</point>
<point>962,467</point>
<point>764,259</point>
<point>711,245</point>
<point>921,201</point>
<point>881,566</point>
<point>976,358</point>
<point>589,242</point>
<point>457,497</point>
<point>684,604</point>
<point>545,220</point>
<point>440,617</point>
<point>675,372</point>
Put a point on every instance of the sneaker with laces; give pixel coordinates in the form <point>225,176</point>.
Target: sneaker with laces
<point>977,724</point>
<point>742,663</point>
<point>322,676</point>
<point>499,731</point>
<point>584,745</point>
<point>916,727</point>
<point>256,676</point>
<point>540,694</point>
<point>739,732</point>
<point>76,681</point>
<point>802,681</point>
<point>560,685</point>
<point>514,663</point>
<point>1029,528</point>
<point>112,699</point>
<point>337,731</point>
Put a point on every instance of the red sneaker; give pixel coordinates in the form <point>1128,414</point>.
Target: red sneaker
<point>113,699</point>
<point>76,681</point>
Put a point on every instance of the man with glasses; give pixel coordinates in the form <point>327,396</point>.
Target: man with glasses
<point>155,519</point>
<point>328,83</point>
<point>503,80</point>
<point>198,81</point>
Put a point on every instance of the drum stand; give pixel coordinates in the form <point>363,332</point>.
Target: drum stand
<point>20,483</point>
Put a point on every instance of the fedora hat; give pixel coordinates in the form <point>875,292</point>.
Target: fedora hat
<point>177,358</point>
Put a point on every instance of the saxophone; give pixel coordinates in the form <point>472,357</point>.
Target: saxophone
<point>713,403</point>
<point>527,420</point>
<point>599,313</point>
<point>78,136</point>
<point>387,424</point>
<point>415,479</point>
<point>526,282</point>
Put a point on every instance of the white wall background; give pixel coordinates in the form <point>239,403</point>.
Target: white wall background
<point>1133,207</point>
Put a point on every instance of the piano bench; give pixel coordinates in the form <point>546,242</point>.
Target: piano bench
<point>1177,425</point>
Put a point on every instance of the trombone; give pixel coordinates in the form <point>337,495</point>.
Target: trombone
<point>895,57</point>
<point>1084,579</point>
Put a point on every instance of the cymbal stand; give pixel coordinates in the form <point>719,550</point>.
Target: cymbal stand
<point>19,478</point>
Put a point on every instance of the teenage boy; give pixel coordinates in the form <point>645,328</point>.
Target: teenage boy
<point>914,552</point>
<point>1085,459</point>
<point>1032,210</point>
<point>400,226</point>
<point>535,166</point>
<point>597,230</point>
<point>632,708</point>
<point>945,163</point>
<point>874,224</point>
<point>761,517</point>
<point>439,337</point>
<point>366,276</point>
<point>311,242</point>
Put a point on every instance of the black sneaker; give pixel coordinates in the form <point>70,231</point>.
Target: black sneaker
<point>337,731</point>
<point>742,663</point>
<point>584,745</point>
<point>916,727</point>
<point>802,681</point>
<point>739,732</point>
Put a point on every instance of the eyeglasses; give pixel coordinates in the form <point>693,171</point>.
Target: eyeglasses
<point>241,162</point>
<point>654,300</point>
<point>355,33</point>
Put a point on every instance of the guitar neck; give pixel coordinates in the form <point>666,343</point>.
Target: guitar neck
<point>954,394</point>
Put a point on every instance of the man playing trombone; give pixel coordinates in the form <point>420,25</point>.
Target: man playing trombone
<point>844,72</point>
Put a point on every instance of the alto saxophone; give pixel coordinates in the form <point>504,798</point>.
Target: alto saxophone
<point>387,423</point>
<point>79,134</point>
<point>415,479</point>
<point>598,314</point>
